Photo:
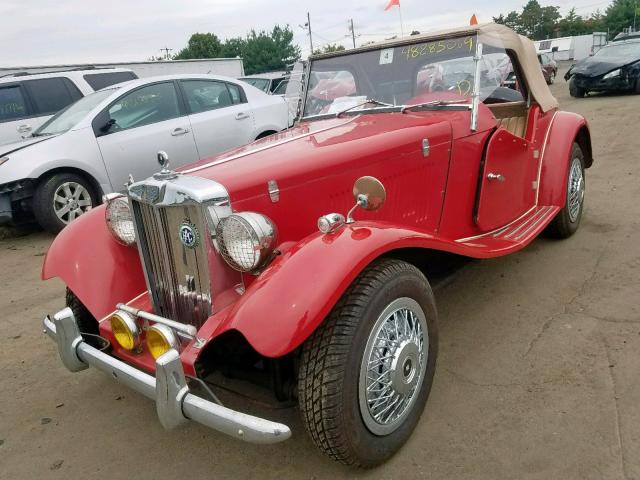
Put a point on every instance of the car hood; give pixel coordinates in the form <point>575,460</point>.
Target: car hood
<point>594,66</point>
<point>12,147</point>
<point>322,148</point>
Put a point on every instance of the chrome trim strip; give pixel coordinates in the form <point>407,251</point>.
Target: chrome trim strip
<point>535,222</point>
<point>174,402</point>
<point>497,230</point>
<point>266,147</point>
<point>525,224</point>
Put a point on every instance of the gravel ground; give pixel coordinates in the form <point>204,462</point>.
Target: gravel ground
<point>537,375</point>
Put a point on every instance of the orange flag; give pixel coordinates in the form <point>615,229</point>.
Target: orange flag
<point>473,21</point>
<point>392,3</point>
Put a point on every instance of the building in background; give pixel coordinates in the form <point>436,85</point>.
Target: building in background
<point>230,67</point>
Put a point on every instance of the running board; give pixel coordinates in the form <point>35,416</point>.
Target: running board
<point>513,236</point>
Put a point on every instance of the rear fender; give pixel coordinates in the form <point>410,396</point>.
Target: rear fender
<point>99,270</point>
<point>566,128</point>
<point>288,301</point>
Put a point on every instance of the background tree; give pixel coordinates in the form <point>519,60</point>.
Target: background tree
<point>619,14</point>
<point>261,51</point>
<point>201,45</point>
<point>264,52</point>
<point>330,47</point>
<point>539,23</point>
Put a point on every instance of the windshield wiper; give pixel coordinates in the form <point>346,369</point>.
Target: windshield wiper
<point>435,103</point>
<point>38,134</point>
<point>366,102</point>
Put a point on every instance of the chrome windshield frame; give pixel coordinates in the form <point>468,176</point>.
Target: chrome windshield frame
<point>475,98</point>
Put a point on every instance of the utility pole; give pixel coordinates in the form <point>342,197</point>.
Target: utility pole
<point>166,52</point>
<point>353,33</point>
<point>308,25</point>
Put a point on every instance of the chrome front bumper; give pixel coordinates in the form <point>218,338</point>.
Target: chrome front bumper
<point>174,403</point>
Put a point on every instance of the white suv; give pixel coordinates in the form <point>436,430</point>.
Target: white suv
<point>29,100</point>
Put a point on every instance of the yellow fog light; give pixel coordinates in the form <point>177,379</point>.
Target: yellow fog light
<point>125,330</point>
<point>160,339</point>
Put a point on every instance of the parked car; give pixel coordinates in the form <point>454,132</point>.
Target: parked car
<point>93,146</point>
<point>267,82</point>
<point>549,67</point>
<point>302,261</point>
<point>613,68</point>
<point>28,100</point>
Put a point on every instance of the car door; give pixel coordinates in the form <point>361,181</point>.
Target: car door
<point>219,114</point>
<point>132,129</point>
<point>509,168</point>
<point>14,111</point>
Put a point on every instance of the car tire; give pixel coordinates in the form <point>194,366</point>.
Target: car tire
<point>61,198</point>
<point>576,91</point>
<point>334,382</point>
<point>568,219</point>
<point>86,322</point>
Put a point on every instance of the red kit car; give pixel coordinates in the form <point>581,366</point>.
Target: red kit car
<point>298,259</point>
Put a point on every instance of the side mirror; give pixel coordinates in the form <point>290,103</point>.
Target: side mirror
<point>107,126</point>
<point>369,194</point>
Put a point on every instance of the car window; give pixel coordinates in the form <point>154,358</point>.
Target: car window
<point>204,95</point>
<point>275,83</point>
<point>50,95</point>
<point>261,83</point>
<point>98,81</point>
<point>282,88</point>
<point>151,104</point>
<point>12,104</point>
<point>236,95</point>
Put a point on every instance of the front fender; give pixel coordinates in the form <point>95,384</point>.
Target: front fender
<point>288,301</point>
<point>99,270</point>
<point>566,128</point>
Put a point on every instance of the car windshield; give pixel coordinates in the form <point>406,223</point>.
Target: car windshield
<point>435,71</point>
<point>261,83</point>
<point>69,117</point>
<point>623,52</point>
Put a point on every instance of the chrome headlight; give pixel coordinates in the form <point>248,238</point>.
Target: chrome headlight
<point>245,240</point>
<point>120,220</point>
<point>615,73</point>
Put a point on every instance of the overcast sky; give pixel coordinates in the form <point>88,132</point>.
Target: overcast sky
<point>45,32</point>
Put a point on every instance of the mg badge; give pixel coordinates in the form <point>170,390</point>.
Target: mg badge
<point>188,235</point>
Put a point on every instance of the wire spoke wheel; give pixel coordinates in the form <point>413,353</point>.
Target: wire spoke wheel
<point>575,194</point>
<point>393,366</point>
<point>70,200</point>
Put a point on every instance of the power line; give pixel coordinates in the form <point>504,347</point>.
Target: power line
<point>166,50</point>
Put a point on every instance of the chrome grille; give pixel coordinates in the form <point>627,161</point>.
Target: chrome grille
<point>178,275</point>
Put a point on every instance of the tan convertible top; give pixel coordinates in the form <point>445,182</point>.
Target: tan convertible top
<point>490,34</point>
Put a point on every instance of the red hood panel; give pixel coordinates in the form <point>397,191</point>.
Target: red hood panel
<point>312,150</point>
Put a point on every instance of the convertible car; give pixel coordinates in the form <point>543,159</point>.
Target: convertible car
<point>302,262</point>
